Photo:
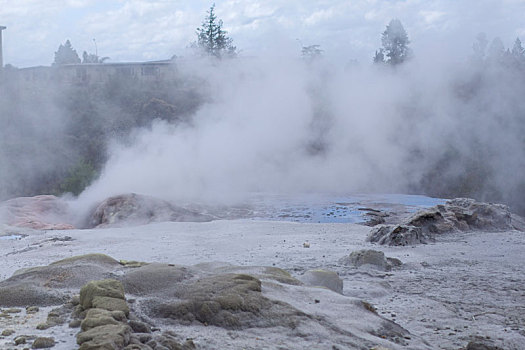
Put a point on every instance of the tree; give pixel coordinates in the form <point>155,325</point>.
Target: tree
<point>212,39</point>
<point>480,46</point>
<point>92,58</point>
<point>311,53</point>
<point>66,55</point>
<point>496,50</point>
<point>379,56</point>
<point>395,44</point>
<point>517,49</point>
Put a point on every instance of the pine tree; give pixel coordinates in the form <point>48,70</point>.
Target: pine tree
<point>518,50</point>
<point>496,50</point>
<point>66,55</point>
<point>92,58</point>
<point>379,56</point>
<point>212,39</point>
<point>480,46</point>
<point>311,53</point>
<point>395,43</point>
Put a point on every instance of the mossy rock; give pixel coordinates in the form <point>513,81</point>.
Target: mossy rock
<point>281,275</point>
<point>138,347</point>
<point>105,288</point>
<point>98,320</point>
<point>231,301</point>
<point>153,278</point>
<point>110,304</point>
<point>21,339</point>
<point>95,259</point>
<point>132,263</point>
<point>32,309</point>
<point>23,293</point>
<point>139,327</point>
<point>370,258</point>
<point>366,257</point>
<point>43,343</point>
<point>116,315</point>
<point>168,340</point>
<point>13,311</point>
<point>117,336</point>
<point>8,332</point>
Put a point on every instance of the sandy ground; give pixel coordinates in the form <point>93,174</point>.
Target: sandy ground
<point>463,285</point>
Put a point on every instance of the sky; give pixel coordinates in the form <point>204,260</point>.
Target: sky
<point>140,30</point>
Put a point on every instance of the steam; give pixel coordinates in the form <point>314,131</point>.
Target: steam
<point>283,125</point>
<point>279,125</point>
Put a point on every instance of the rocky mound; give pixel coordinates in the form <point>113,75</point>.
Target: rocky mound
<point>132,305</point>
<point>105,323</point>
<point>368,258</point>
<point>460,214</point>
<point>41,213</point>
<point>133,209</point>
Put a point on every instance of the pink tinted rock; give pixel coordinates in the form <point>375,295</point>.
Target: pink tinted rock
<point>45,212</point>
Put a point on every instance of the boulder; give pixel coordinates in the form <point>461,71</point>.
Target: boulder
<point>370,258</point>
<point>108,288</point>
<point>463,214</point>
<point>460,214</point>
<point>110,304</point>
<point>168,340</point>
<point>400,235</point>
<point>133,209</point>
<point>43,343</point>
<point>105,337</point>
<point>97,317</point>
<point>482,344</point>
<point>139,327</point>
<point>323,278</point>
<point>44,212</point>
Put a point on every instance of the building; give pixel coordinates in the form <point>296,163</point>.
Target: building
<point>2,28</point>
<point>96,73</point>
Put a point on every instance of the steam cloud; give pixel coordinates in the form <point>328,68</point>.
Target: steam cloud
<point>282,125</point>
<point>278,125</point>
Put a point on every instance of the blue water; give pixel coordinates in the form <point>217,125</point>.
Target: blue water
<point>334,209</point>
<point>10,237</point>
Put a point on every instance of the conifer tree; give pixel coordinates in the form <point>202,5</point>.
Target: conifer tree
<point>66,55</point>
<point>379,56</point>
<point>212,39</point>
<point>395,44</point>
<point>518,50</point>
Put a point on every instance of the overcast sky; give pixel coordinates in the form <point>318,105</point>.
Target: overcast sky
<point>138,30</point>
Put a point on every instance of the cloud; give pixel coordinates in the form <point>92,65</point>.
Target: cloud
<point>156,29</point>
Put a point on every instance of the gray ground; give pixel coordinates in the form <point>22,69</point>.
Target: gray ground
<point>463,285</point>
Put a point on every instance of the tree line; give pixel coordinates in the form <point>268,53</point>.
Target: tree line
<point>213,40</point>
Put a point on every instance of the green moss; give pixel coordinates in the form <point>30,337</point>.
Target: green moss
<point>281,275</point>
<point>95,258</point>
<point>104,288</point>
<point>111,304</point>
